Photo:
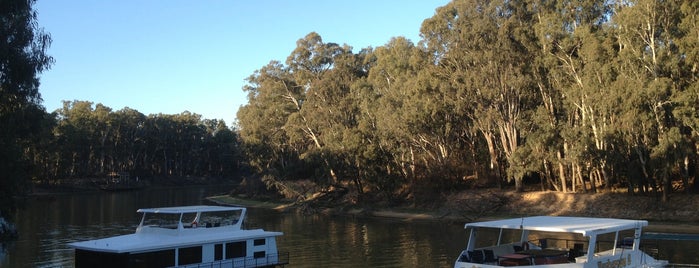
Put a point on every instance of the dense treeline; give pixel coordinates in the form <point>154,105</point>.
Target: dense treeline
<point>583,95</point>
<point>83,140</point>
<point>87,141</point>
<point>22,57</point>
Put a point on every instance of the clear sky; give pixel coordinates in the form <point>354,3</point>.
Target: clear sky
<point>171,56</point>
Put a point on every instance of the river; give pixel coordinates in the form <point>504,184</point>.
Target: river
<point>48,223</point>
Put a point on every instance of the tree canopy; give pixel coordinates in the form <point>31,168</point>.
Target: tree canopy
<point>570,96</point>
<point>579,95</point>
<point>23,56</point>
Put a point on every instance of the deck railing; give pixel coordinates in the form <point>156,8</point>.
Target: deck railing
<point>270,260</point>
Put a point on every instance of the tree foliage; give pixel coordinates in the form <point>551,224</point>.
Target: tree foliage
<point>577,96</point>
<point>22,57</point>
<point>583,95</point>
<point>90,141</point>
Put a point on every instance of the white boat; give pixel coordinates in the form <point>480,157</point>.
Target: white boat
<point>549,241</point>
<point>187,236</point>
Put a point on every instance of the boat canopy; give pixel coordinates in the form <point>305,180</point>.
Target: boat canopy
<point>188,209</point>
<point>210,229</point>
<point>581,225</point>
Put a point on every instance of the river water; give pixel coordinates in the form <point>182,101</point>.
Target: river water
<point>47,224</point>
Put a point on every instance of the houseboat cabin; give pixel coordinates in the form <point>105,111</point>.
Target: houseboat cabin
<point>188,236</point>
<point>548,241</point>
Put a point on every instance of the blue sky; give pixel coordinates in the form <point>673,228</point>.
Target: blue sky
<point>171,56</point>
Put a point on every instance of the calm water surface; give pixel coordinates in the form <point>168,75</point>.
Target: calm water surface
<point>46,225</point>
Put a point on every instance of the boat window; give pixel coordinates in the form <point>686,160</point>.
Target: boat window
<point>190,220</point>
<point>486,237</point>
<point>218,252</point>
<point>259,254</point>
<point>86,258</point>
<point>259,242</point>
<point>236,250</point>
<point>556,240</point>
<point>161,258</point>
<point>510,236</point>
<point>219,218</point>
<point>189,255</point>
<point>607,241</point>
<point>162,220</point>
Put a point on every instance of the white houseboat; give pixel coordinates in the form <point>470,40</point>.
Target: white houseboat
<point>549,241</point>
<point>188,236</point>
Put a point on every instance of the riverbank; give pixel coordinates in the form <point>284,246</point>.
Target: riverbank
<point>40,188</point>
<point>679,215</point>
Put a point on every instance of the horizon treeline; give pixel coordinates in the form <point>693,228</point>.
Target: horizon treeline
<point>87,140</point>
<point>575,95</point>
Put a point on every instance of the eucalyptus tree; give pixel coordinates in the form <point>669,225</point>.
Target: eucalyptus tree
<point>273,96</point>
<point>333,104</point>
<point>324,87</point>
<point>222,152</point>
<point>413,123</point>
<point>649,63</point>
<point>128,139</point>
<point>188,143</point>
<point>101,124</point>
<point>687,97</point>
<point>576,53</point>
<point>23,57</point>
<point>76,132</point>
<point>483,49</point>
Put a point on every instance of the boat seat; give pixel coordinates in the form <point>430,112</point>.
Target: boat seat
<point>576,251</point>
<point>502,249</point>
<point>517,248</point>
<point>626,242</point>
<point>476,256</point>
<point>489,256</point>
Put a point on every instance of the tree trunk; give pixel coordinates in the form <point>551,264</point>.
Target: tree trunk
<point>494,165</point>
<point>519,186</point>
<point>562,171</point>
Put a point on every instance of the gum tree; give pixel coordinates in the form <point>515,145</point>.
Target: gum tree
<point>23,57</point>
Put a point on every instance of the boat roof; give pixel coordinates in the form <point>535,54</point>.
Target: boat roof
<point>586,226</point>
<point>147,242</point>
<point>188,209</point>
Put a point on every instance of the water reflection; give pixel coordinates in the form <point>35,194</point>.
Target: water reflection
<point>317,241</point>
<point>47,225</point>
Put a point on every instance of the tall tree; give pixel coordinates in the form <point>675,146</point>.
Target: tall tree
<point>273,96</point>
<point>23,56</point>
<point>484,50</point>
<point>580,52</point>
<point>688,94</point>
<point>309,64</point>
<point>647,32</point>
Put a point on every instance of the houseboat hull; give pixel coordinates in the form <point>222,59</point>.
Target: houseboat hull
<point>194,236</point>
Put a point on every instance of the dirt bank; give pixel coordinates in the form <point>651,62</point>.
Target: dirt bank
<point>679,215</point>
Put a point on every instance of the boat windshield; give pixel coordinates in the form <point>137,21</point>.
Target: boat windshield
<point>489,237</point>
<point>220,218</point>
<point>161,220</point>
<point>192,219</point>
